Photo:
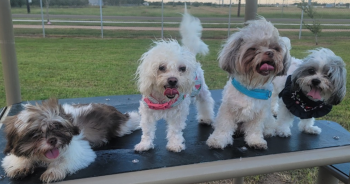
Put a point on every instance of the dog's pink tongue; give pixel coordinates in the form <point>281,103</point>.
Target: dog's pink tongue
<point>315,94</point>
<point>266,67</point>
<point>52,154</point>
<point>170,91</point>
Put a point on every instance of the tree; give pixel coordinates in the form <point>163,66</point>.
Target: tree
<point>239,8</point>
<point>315,26</point>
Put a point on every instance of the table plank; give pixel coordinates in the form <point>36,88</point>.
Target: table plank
<point>114,161</point>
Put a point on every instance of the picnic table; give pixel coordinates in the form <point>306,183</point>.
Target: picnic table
<point>117,162</point>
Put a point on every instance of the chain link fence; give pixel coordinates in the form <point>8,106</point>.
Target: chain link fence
<point>139,18</point>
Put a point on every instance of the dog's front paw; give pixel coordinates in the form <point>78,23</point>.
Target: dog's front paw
<point>312,130</point>
<point>17,167</point>
<point>261,144</point>
<point>219,141</point>
<point>175,147</point>
<point>52,174</point>
<point>205,121</point>
<point>143,146</point>
<point>256,141</point>
<point>19,172</point>
<point>283,132</point>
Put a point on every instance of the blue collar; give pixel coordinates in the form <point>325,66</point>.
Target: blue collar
<point>261,94</point>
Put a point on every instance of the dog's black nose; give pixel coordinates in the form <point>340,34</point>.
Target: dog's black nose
<point>172,81</point>
<point>52,141</point>
<point>315,82</point>
<point>269,53</point>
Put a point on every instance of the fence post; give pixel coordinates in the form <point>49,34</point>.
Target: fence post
<point>42,17</point>
<point>229,21</point>
<point>301,23</point>
<point>8,55</point>
<point>101,19</point>
<point>162,18</point>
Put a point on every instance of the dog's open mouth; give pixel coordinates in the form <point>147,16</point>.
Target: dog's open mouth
<point>52,153</point>
<point>314,93</point>
<point>265,68</point>
<point>170,92</point>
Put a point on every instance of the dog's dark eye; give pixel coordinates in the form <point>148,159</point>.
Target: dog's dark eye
<point>161,68</point>
<point>58,125</point>
<point>252,49</point>
<point>329,75</point>
<point>182,68</point>
<point>311,71</point>
<point>277,49</point>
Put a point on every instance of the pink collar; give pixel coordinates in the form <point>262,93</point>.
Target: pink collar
<point>153,104</point>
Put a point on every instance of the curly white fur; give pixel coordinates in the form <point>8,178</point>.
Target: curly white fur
<point>168,59</point>
<point>242,56</point>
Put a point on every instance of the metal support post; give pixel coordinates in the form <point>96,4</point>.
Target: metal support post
<point>325,177</point>
<point>239,180</point>
<point>8,55</point>
<point>251,8</point>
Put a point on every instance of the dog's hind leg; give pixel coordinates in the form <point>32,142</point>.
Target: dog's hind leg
<point>205,104</point>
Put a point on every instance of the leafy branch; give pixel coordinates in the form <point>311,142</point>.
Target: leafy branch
<point>315,27</point>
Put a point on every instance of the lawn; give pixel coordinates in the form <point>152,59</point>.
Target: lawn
<point>84,65</point>
<point>171,11</point>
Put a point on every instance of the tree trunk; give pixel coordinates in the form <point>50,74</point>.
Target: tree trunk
<point>28,7</point>
<point>239,8</point>
<point>316,39</point>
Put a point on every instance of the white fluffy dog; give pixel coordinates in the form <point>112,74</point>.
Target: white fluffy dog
<point>60,137</point>
<point>310,91</point>
<point>253,57</point>
<point>167,75</point>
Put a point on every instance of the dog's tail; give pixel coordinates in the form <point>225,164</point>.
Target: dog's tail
<point>191,33</point>
<point>131,125</point>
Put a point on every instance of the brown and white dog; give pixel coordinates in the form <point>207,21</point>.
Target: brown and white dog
<point>60,137</point>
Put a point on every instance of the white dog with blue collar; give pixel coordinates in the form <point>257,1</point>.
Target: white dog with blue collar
<point>253,57</point>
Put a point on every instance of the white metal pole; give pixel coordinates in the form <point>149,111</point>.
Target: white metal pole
<point>162,18</point>
<point>229,21</point>
<point>101,19</point>
<point>301,23</point>
<point>42,17</point>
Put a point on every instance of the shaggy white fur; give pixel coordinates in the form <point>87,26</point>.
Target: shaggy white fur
<point>254,56</point>
<point>167,74</point>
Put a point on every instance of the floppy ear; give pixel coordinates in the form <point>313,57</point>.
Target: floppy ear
<point>229,53</point>
<point>11,134</point>
<point>76,130</point>
<point>286,46</point>
<point>296,74</point>
<point>286,63</point>
<point>338,79</point>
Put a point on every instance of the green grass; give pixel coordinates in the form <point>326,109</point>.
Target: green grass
<point>171,25</point>
<point>201,11</point>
